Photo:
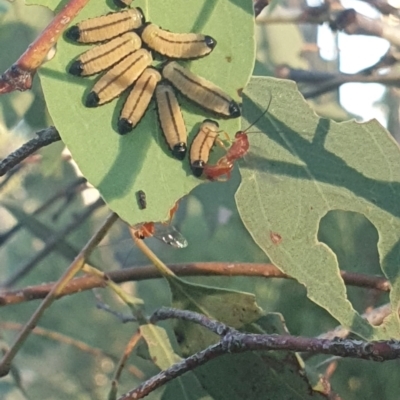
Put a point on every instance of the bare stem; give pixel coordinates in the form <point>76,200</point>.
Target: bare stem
<point>193,269</point>
<point>161,267</point>
<point>20,75</point>
<point>45,137</point>
<point>233,341</point>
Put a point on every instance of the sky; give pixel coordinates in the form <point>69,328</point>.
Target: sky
<point>355,53</point>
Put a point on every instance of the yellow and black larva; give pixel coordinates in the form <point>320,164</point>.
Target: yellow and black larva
<point>119,78</point>
<point>106,27</point>
<point>123,3</point>
<point>138,100</point>
<point>103,56</point>
<point>171,120</point>
<point>177,45</point>
<point>200,90</point>
<point>202,145</point>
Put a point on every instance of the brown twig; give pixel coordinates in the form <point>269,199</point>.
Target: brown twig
<point>354,23</point>
<point>20,75</point>
<point>193,269</point>
<point>310,15</point>
<point>45,137</point>
<point>384,7</point>
<point>72,270</point>
<point>134,340</point>
<point>389,79</point>
<point>233,341</point>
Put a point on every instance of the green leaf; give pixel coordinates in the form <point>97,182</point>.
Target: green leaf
<point>233,308</point>
<point>186,387</point>
<point>160,349</point>
<point>301,167</point>
<point>120,166</point>
<point>163,355</point>
<point>50,4</point>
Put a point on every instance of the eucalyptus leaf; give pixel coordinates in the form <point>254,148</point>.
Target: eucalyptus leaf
<point>301,167</point>
<point>231,307</point>
<point>119,166</point>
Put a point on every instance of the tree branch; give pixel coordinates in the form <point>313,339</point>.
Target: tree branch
<point>45,137</point>
<point>233,341</point>
<point>20,75</point>
<point>88,282</point>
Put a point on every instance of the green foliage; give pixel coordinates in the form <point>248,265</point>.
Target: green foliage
<point>301,168</point>
<point>348,173</point>
<point>162,354</point>
<point>233,308</point>
<point>120,166</point>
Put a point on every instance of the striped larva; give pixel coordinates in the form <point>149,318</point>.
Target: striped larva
<point>103,56</point>
<point>106,27</point>
<point>171,120</point>
<point>138,100</point>
<point>200,90</point>
<point>177,45</point>
<point>119,78</point>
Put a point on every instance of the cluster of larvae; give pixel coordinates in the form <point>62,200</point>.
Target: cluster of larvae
<point>126,50</point>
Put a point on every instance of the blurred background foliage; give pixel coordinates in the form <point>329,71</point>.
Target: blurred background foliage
<point>48,369</point>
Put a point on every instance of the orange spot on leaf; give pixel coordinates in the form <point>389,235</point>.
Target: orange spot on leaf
<point>276,238</point>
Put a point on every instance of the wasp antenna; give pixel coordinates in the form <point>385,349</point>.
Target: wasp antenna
<point>263,113</point>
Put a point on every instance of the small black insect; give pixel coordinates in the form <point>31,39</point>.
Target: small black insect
<point>141,196</point>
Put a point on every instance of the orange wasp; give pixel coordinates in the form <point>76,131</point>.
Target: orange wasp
<point>163,231</point>
<point>238,149</point>
<point>224,165</point>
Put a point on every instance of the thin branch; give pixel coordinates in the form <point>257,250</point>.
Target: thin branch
<point>52,244</point>
<point>193,269</point>
<point>389,79</point>
<point>233,341</point>
<point>134,340</point>
<point>322,82</point>
<point>59,337</point>
<point>45,137</point>
<point>214,326</point>
<point>354,23</point>
<point>178,369</point>
<point>310,15</point>
<point>346,20</point>
<point>384,7</point>
<point>20,75</point>
<point>72,270</point>
<point>101,305</point>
